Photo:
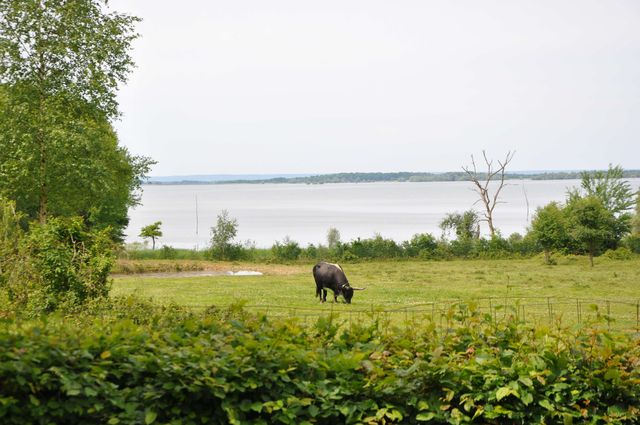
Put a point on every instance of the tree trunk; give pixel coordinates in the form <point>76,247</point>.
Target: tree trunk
<point>547,256</point>
<point>591,256</point>
<point>42,209</point>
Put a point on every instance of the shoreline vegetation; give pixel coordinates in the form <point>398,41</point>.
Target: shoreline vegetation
<point>410,177</point>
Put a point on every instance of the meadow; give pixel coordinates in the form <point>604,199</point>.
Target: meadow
<point>570,291</point>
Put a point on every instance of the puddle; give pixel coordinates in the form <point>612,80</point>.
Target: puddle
<point>196,273</point>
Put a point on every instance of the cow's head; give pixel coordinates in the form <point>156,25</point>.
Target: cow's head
<point>347,292</point>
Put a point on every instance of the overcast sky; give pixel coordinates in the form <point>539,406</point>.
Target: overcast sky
<point>297,86</point>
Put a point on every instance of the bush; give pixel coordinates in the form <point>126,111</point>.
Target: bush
<point>60,264</point>
<point>288,250</point>
<point>633,243</point>
<point>377,247</point>
<point>10,236</point>
<point>421,245</point>
<point>150,365</point>
<point>621,253</point>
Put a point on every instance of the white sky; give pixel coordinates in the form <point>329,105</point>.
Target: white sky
<point>298,86</point>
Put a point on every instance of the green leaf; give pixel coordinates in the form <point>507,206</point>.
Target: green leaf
<point>547,405</point>
<point>34,400</point>
<point>503,392</point>
<point>424,417</point>
<point>150,417</point>
<point>612,374</point>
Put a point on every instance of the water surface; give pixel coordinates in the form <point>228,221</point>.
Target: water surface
<point>304,213</point>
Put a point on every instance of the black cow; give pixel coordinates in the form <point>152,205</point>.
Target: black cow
<point>331,276</point>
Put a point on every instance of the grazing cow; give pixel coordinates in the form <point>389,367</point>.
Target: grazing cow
<point>331,276</point>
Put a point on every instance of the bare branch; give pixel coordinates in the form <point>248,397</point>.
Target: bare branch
<point>482,187</point>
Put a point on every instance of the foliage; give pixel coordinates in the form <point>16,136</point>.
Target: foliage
<point>466,225</point>
<point>142,366</point>
<point>549,228</point>
<point>591,224</point>
<point>60,66</point>
<point>635,223</point>
<point>615,195</point>
<point>620,254</point>
<point>333,238</point>
<point>614,192</point>
<point>421,245</point>
<point>222,235</point>
<point>10,235</point>
<point>152,231</point>
<point>60,263</point>
<point>633,243</point>
<point>376,247</point>
<point>287,250</point>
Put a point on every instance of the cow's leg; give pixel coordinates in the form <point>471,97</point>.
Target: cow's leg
<point>324,296</point>
<point>318,292</point>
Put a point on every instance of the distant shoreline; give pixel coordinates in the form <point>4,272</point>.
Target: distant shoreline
<point>409,177</point>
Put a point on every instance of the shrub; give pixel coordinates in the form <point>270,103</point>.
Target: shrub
<point>288,250</point>
<point>421,245</point>
<point>152,365</point>
<point>633,243</point>
<point>621,253</point>
<point>168,253</point>
<point>61,263</point>
<point>377,247</point>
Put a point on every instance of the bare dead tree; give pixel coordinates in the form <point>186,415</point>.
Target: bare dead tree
<point>481,184</point>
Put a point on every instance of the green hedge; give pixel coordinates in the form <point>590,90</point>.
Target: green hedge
<point>142,367</point>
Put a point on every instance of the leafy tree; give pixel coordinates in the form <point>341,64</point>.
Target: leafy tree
<point>549,229</point>
<point>614,193</point>
<point>60,66</point>
<point>608,186</point>
<point>636,218</point>
<point>333,237</point>
<point>152,232</point>
<point>591,224</point>
<point>222,235</point>
<point>465,225</point>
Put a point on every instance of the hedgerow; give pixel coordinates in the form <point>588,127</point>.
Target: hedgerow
<point>176,367</point>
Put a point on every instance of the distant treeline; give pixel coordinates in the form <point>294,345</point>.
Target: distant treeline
<point>396,177</point>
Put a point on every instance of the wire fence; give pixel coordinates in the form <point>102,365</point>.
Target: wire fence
<point>557,311</point>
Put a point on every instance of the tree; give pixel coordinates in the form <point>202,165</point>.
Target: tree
<point>60,66</point>
<point>615,195</point>
<point>333,237</point>
<point>481,185</point>
<point>465,225</point>
<point>222,234</point>
<point>635,229</point>
<point>614,192</point>
<point>152,232</point>
<point>549,229</point>
<point>591,224</point>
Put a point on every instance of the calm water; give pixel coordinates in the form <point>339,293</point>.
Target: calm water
<point>269,212</point>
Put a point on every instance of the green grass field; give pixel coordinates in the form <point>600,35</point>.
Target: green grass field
<point>567,291</point>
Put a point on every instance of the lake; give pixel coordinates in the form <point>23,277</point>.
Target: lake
<point>269,212</point>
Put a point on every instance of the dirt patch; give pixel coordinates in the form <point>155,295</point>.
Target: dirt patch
<point>181,267</point>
